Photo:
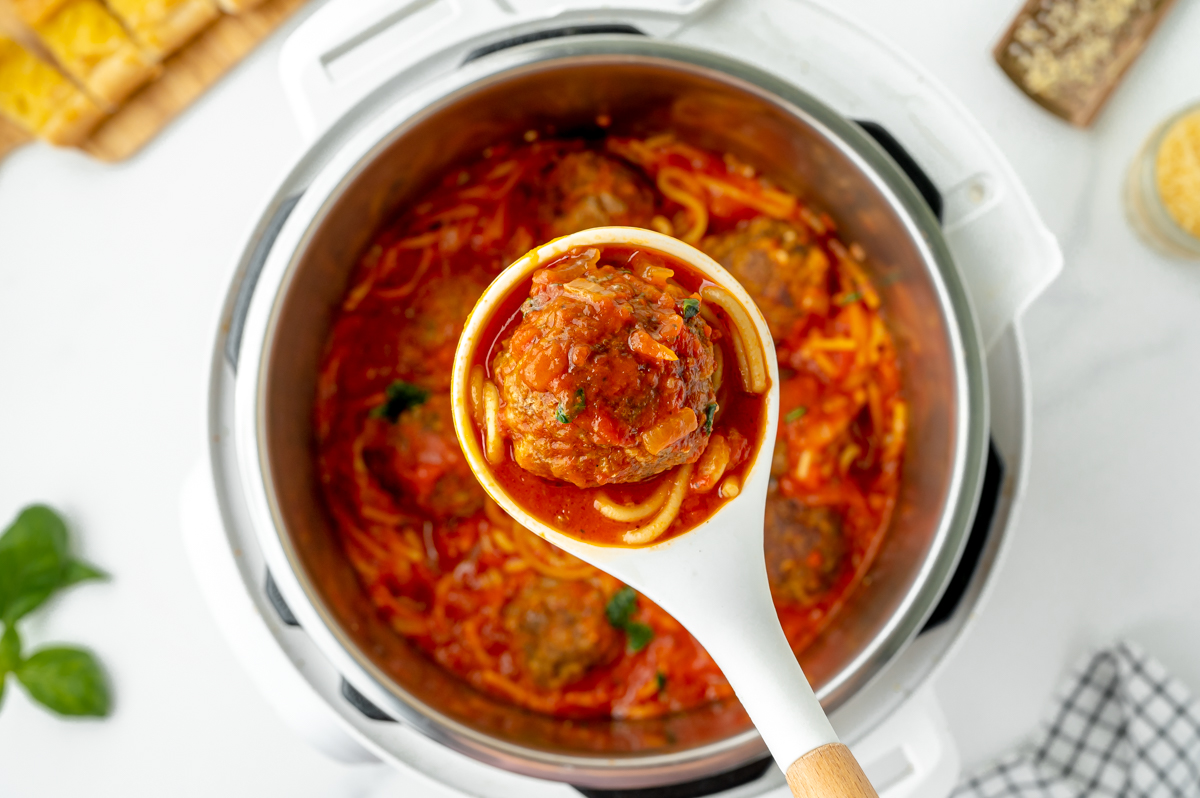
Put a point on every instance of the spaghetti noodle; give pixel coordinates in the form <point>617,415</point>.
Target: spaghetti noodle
<point>605,372</point>
<point>493,603</point>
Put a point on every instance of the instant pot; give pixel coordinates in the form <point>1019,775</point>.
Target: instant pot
<point>389,94</point>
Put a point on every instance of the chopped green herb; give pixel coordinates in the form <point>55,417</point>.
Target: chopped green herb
<point>710,413</point>
<point>846,299</point>
<point>661,678</point>
<point>566,415</point>
<point>691,306</point>
<point>620,611</point>
<point>638,636</point>
<point>401,396</point>
<point>621,606</point>
<point>795,414</point>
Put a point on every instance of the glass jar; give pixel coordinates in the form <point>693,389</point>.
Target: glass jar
<point>1156,220</point>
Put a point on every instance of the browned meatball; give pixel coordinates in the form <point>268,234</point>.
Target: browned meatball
<point>587,189</point>
<point>604,380</point>
<point>777,265</point>
<point>804,547</point>
<point>419,459</point>
<point>436,318</point>
<point>560,630</point>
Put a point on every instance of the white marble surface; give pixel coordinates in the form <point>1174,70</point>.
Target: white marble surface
<point>109,277</point>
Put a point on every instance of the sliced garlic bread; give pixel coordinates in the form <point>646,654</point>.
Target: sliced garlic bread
<point>91,46</point>
<point>40,99</point>
<point>163,26</point>
<point>34,11</point>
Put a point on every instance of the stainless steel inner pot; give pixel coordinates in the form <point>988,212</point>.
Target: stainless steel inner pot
<point>644,86</point>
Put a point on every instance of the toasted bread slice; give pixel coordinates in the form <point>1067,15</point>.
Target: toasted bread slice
<point>91,46</point>
<point>163,26</point>
<point>35,96</point>
<point>34,11</point>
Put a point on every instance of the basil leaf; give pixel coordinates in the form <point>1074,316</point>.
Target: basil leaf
<point>66,680</point>
<point>661,678</point>
<point>77,572</point>
<point>710,413</point>
<point>691,306</point>
<point>566,415</point>
<point>10,651</point>
<point>401,396</point>
<point>34,562</point>
<point>795,414</point>
<point>33,555</point>
<point>621,606</point>
<point>638,636</point>
<point>853,296</point>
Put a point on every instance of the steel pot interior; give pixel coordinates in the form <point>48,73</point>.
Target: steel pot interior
<point>806,148</point>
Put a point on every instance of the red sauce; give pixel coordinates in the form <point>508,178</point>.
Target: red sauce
<point>493,603</point>
<point>612,374</point>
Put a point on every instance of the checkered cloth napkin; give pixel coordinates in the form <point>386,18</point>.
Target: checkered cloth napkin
<point>1121,726</point>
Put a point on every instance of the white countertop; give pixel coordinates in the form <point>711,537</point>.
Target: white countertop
<point>109,281</point>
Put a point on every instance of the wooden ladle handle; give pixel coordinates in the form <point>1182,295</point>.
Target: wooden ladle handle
<point>830,771</point>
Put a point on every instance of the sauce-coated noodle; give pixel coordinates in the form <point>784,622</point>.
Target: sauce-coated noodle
<point>607,377</point>
<point>489,601</point>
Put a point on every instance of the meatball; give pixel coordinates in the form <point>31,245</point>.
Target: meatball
<point>560,630</point>
<point>604,380</point>
<point>777,264</point>
<point>805,549</point>
<point>419,459</point>
<point>586,189</point>
<point>436,318</point>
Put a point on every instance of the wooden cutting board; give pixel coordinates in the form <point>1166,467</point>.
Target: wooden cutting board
<point>186,75</point>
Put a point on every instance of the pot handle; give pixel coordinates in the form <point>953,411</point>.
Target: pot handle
<point>348,48</point>
<point>912,752</point>
<point>1005,268</point>
<point>1003,250</point>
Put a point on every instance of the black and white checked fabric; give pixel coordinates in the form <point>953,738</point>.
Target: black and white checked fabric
<point>1120,727</point>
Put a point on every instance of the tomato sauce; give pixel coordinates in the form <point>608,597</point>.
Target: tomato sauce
<point>489,601</point>
<point>594,432</point>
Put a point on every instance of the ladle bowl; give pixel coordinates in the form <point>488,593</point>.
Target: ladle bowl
<point>712,578</point>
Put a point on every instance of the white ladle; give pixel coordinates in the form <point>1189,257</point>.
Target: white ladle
<point>712,579</point>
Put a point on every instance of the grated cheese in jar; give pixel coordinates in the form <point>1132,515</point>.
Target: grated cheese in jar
<point>1177,172</point>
